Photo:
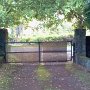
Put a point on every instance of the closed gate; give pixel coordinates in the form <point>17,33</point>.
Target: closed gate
<point>25,52</point>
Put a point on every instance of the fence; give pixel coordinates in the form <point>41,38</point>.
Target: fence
<point>24,52</point>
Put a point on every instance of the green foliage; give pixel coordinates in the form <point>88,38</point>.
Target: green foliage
<point>18,11</point>
<point>39,8</point>
<point>25,40</point>
<point>51,37</point>
<point>74,10</point>
<point>9,14</point>
<point>87,15</point>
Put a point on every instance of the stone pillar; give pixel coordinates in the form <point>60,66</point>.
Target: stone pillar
<point>3,39</point>
<point>80,44</point>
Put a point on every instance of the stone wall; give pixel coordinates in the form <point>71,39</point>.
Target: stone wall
<point>85,62</point>
<point>80,49</point>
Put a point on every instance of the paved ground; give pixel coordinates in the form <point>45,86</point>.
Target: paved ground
<point>48,77</point>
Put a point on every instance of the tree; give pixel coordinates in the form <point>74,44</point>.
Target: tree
<point>10,13</point>
<point>17,11</point>
<point>74,11</point>
<point>87,14</point>
<point>41,9</point>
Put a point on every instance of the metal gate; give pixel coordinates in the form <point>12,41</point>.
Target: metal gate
<point>28,52</point>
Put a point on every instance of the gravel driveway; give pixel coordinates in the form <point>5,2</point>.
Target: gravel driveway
<point>47,77</point>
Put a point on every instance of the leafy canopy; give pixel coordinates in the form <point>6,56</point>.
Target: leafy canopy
<point>17,11</point>
<point>87,14</point>
<point>8,13</point>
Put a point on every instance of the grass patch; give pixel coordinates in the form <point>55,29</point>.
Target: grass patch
<point>1,59</point>
<point>5,76</point>
<point>79,72</point>
<point>42,73</point>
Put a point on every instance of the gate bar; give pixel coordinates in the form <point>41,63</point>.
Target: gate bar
<point>71,49</point>
<point>39,52</point>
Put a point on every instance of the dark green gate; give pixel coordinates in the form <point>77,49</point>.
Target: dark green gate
<point>27,52</point>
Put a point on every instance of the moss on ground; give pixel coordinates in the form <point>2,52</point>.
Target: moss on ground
<point>81,73</point>
<point>42,73</point>
<point>5,76</point>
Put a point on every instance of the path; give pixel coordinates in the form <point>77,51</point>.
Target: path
<point>48,77</point>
